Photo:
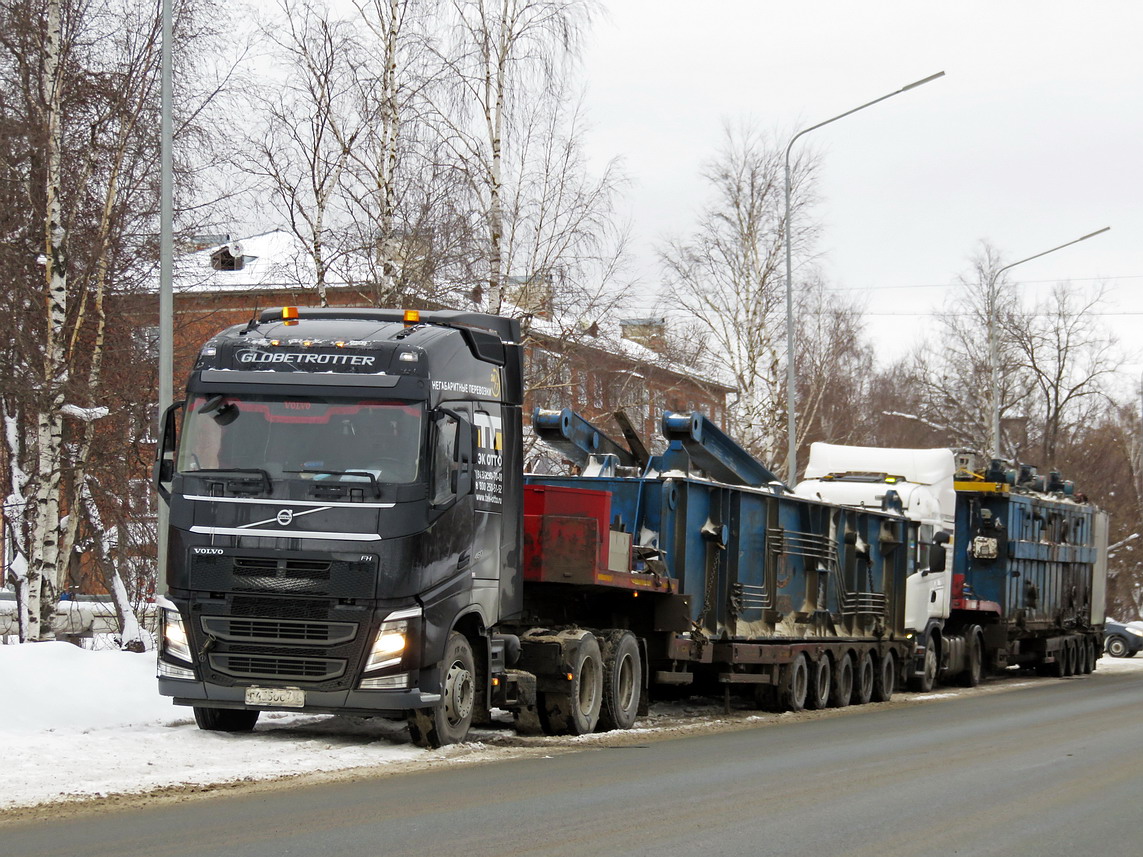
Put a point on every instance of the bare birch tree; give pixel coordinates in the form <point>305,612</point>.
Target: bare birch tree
<point>82,81</point>
<point>500,55</point>
<point>310,127</point>
<point>728,275</point>
<point>1070,358</point>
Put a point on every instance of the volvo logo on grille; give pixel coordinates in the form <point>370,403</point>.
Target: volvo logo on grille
<point>285,516</point>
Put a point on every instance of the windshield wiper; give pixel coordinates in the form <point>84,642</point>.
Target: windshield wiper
<point>372,479</point>
<point>267,484</point>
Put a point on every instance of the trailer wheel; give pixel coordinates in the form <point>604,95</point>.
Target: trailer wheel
<point>885,678</point>
<point>576,710</point>
<point>863,679</point>
<point>1070,657</point>
<point>1089,656</point>
<point>622,681</point>
<point>974,653</point>
<point>924,681</point>
<point>820,679</point>
<point>225,719</point>
<point>795,685</point>
<point>448,721</point>
<point>1083,657</point>
<point>841,689</point>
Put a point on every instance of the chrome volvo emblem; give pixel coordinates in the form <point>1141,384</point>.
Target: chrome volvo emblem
<point>285,516</point>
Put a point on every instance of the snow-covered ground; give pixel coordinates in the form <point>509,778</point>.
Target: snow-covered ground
<point>77,724</point>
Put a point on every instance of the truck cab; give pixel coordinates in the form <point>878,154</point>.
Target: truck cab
<point>342,533</point>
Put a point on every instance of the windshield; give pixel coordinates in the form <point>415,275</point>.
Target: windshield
<point>317,438</point>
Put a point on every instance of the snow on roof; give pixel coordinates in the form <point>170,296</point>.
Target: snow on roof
<point>923,466</point>
<point>271,260</point>
<point>611,340</point>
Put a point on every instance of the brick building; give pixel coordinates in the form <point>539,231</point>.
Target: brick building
<point>610,365</point>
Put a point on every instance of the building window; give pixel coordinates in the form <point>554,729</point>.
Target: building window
<point>228,257</point>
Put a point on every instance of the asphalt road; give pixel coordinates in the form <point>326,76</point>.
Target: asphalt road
<point>1053,768</point>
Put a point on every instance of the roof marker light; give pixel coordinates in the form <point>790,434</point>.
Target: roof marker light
<point>412,316</point>
<point>289,312</point>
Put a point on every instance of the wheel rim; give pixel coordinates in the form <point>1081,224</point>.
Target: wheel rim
<point>930,664</point>
<point>799,680</point>
<point>459,693</point>
<point>625,682</point>
<point>823,679</point>
<point>586,696</point>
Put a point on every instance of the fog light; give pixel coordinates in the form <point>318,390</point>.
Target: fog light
<point>389,682</point>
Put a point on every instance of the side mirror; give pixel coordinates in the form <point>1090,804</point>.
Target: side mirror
<point>938,554</point>
<point>164,470</point>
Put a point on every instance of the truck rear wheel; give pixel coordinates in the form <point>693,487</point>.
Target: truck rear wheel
<point>863,679</point>
<point>974,655</point>
<point>885,678</point>
<point>841,689</point>
<point>448,721</point>
<point>795,685</point>
<point>622,681</point>
<point>820,679</point>
<point>576,710</point>
<point>225,719</point>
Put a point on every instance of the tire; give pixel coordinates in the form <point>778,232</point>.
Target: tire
<point>622,681</point>
<point>974,649</point>
<point>1091,654</point>
<point>1083,667</point>
<point>1069,657</point>
<point>795,685</point>
<point>863,679</point>
<point>449,720</point>
<point>841,689</point>
<point>885,678</point>
<point>225,719</point>
<point>1115,646</point>
<point>576,710</point>
<point>924,681</point>
<point>818,684</point>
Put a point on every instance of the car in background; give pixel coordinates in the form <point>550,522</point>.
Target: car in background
<point>1122,640</point>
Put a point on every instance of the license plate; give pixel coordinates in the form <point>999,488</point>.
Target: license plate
<point>285,697</point>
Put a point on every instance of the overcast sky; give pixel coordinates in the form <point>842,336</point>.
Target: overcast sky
<point>1033,137</point>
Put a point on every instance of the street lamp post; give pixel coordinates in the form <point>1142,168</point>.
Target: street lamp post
<point>166,260</point>
<point>791,396</point>
<point>993,345</point>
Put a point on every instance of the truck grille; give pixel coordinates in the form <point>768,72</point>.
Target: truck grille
<point>335,577</point>
<point>279,668</point>
<point>262,630</point>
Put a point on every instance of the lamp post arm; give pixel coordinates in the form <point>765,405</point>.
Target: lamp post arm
<point>791,392</point>
<point>1053,250</point>
<point>993,334</point>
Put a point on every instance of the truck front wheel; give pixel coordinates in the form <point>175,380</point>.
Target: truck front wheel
<point>923,681</point>
<point>448,722</point>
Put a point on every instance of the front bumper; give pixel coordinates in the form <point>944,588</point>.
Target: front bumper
<point>382,703</point>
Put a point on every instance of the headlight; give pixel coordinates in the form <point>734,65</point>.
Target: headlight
<point>392,637</point>
<point>175,641</point>
<point>1137,632</point>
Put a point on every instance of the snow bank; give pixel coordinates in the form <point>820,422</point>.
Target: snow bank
<point>77,723</point>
